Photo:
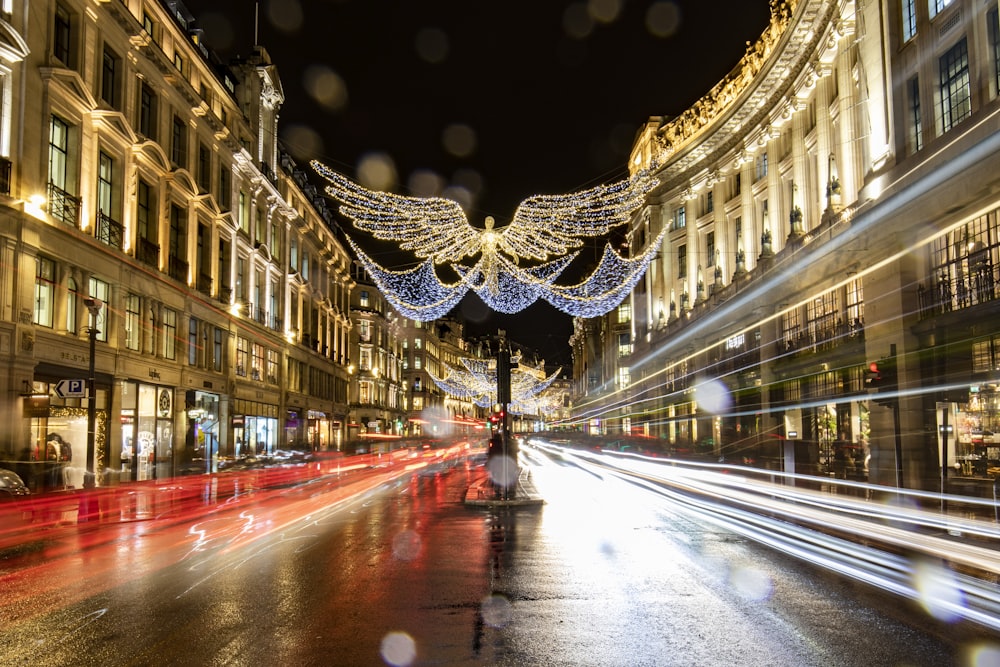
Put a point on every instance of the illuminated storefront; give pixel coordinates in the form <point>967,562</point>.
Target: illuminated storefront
<point>56,454</point>
<point>255,428</point>
<point>146,418</point>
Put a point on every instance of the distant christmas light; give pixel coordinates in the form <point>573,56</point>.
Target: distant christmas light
<point>488,260</point>
<point>477,382</point>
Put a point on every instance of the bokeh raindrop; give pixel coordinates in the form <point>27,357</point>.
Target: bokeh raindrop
<point>663,19</point>
<point>377,171</point>
<point>398,649</point>
<point>286,15</point>
<point>459,140</point>
<point>326,87</point>
<point>432,45</point>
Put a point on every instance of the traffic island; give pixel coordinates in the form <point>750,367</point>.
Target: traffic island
<point>484,493</point>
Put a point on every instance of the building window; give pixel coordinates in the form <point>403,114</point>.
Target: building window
<point>791,329</point>
<point>72,304</point>
<point>192,341</point>
<point>935,7</point>
<point>272,366</point>
<point>682,261</point>
<point>364,359</point>
<point>178,142</point>
<point>204,168</point>
<point>177,246</point>
<point>243,213</point>
<point>133,320</point>
<point>242,356</point>
<point>217,349</point>
<point>761,166</point>
<point>45,289</point>
<point>418,362</point>
<point>909,19</point>
<point>147,25</point>
<point>225,181</point>
<point>624,312</point>
<point>680,218</point>
<point>147,112</point>
<point>111,72</point>
<point>256,361</point>
<point>710,248</point>
<point>108,231</point>
<point>62,37</point>
<point>624,344</point>
<point>363,298</point>
<point>260,233</point>
<point>169,340</point>
<point>241,280</point>
<point>855,307</point>
<point>916,129</point>
<point>364,392</point>
<point>709,202</point>
<point>956,101</point>
<point>624,376</point>
<point>822,314</point>
<point>105,185</point>
<point>59,153</point>
<point>364,330</point>
<point>101,290</point>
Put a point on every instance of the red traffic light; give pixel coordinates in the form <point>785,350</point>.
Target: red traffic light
<point>873,366</point>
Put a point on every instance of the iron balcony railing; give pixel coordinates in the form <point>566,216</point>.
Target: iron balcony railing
<point>63,205</point>
<point>109,231</point>
<point>147,252</point>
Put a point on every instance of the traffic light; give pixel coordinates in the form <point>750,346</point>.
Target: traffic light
<point>496,419</point>
<point>873,375</point>
<point>881,376</point>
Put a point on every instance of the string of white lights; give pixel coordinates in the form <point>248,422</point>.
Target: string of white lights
<point>477,382</point>
<point>543,226</point>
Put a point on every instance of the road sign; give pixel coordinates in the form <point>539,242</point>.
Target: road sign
<point>71,388</point>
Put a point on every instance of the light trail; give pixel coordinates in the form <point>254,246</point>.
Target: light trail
<point>949,563</point>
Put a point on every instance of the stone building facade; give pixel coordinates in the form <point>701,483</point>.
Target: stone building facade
<point>831,203</point>
<point>142,176</point>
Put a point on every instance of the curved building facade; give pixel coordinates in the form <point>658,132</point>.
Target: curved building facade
<point>825,298</point>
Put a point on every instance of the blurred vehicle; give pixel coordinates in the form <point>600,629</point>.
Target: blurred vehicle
<point>12,486</point>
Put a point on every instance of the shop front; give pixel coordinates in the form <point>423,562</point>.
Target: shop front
<point>53,455</point>
<point>977,432</point>
<point>205,441</point>
<point>146,417</point>
<point>255,428</point>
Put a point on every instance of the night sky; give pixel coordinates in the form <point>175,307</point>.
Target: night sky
<point>488,102</point>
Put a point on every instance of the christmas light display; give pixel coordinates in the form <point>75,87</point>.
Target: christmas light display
<point>488,261</point>
<point>477,382</point>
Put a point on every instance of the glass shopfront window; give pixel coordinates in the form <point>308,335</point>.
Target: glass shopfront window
<point>55,456</point>
<point>147,431</point>
<point>205,440</point>
<point>255,428</point>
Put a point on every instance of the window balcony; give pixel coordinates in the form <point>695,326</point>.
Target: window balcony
<point>63,206</point>
<point>109,230</point>
<point>178,269</point>
<point>148,252</point>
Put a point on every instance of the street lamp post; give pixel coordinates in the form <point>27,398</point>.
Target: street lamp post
<point>94,307</point>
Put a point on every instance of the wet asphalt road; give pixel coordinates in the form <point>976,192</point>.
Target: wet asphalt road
<point>602,574</point>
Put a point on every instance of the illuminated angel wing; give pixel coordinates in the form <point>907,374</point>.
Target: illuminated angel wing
<point>432,227</point>
<point>551,225</point>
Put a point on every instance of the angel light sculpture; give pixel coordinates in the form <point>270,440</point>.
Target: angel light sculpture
<point>509,267</point>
